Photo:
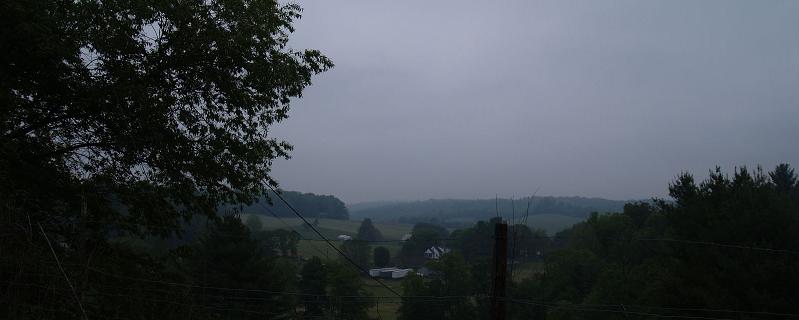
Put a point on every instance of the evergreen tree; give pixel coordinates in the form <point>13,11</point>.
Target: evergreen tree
<point>228,257</point>
<point>453,279</point>
<point>368,232</point>
<point>702,250</point>
<point>784,178</point>
<point>345,283</point>
<point>413,308</point>
<point>313,285</point>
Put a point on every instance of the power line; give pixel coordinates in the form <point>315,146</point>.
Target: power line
<point>553,237</point>
<point>591,307</point>
<point>155,300</point>
<point>239,290</point>
<point>64,273</point>
<point>580,308</point>
<point>330,243</point>
<point>684,241</point>
<point>235,235</point>
<point>290,227</point>
<point>704,310</point>
<point>442,299</point>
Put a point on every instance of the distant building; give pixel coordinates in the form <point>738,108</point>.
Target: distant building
<point>389,273</point>
<point>406,237</point>
<point>425,272</point>
<point>435,252</point>
<point>344,237</point>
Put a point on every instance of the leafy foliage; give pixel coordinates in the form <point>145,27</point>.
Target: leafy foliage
<point>165,107</point>
<point>123,119</point>
<point>358,251</point>
<point>314,285</point>
<point>311,205</point>
<point>725,243</point>
<point>454,280</point>
<point>382,257</point>
<point>228,257</point>
<point>345,281</point>
<point>694,252</point>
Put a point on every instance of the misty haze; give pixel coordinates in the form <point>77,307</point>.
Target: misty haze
<point>262,159</point>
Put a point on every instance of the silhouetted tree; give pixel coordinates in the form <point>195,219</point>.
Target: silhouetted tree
<point>423,236</point>
<point>784,178</point>
<point>368,232</point>
<point>126,118</point>
<point>453,279</point>
<point>358,251</point>
<point>702,249</point>
<point>381,257</point>
<point>345,283</point>
<point>226,256</point>
<point>313,285</point>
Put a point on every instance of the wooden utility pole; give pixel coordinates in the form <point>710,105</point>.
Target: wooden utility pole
<point>500,268</point>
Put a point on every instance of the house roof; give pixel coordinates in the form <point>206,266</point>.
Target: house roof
<point>435,250</point>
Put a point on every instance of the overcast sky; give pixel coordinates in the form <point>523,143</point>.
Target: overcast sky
<point>468,99</point>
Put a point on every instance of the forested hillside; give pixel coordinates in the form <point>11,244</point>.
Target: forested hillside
<point>726,248</point>
<point>455,212</point>
<point>311,205</point>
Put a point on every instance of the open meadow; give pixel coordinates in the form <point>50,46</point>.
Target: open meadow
<point>311,245</point>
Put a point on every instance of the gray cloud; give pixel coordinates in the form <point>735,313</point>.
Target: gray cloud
<point>434,99</point>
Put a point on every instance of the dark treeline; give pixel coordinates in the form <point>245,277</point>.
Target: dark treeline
<point>725,247</point>
<point>227,270</point>
<point>473,243</point>
<point>311,205</point>
<point>450,212</point>
<point>126,121</point>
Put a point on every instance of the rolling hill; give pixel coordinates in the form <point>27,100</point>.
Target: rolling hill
<point>549,213</point>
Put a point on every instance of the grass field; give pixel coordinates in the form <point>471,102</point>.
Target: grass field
<point>386,309</point>
<point>331,228</point>
<point>390,231</point>
<point>527,270</point>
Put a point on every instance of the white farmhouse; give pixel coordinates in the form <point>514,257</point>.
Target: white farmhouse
<point>435,252</point>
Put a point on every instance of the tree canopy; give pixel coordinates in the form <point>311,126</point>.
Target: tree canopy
<point>722,246</point>
<point>381,257</point>
<point>161,108</point>
<point>423,236</point>
<point>725,243</point>
<point>367,231</point>
<point>120,120</point>
<point>309,204</point>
